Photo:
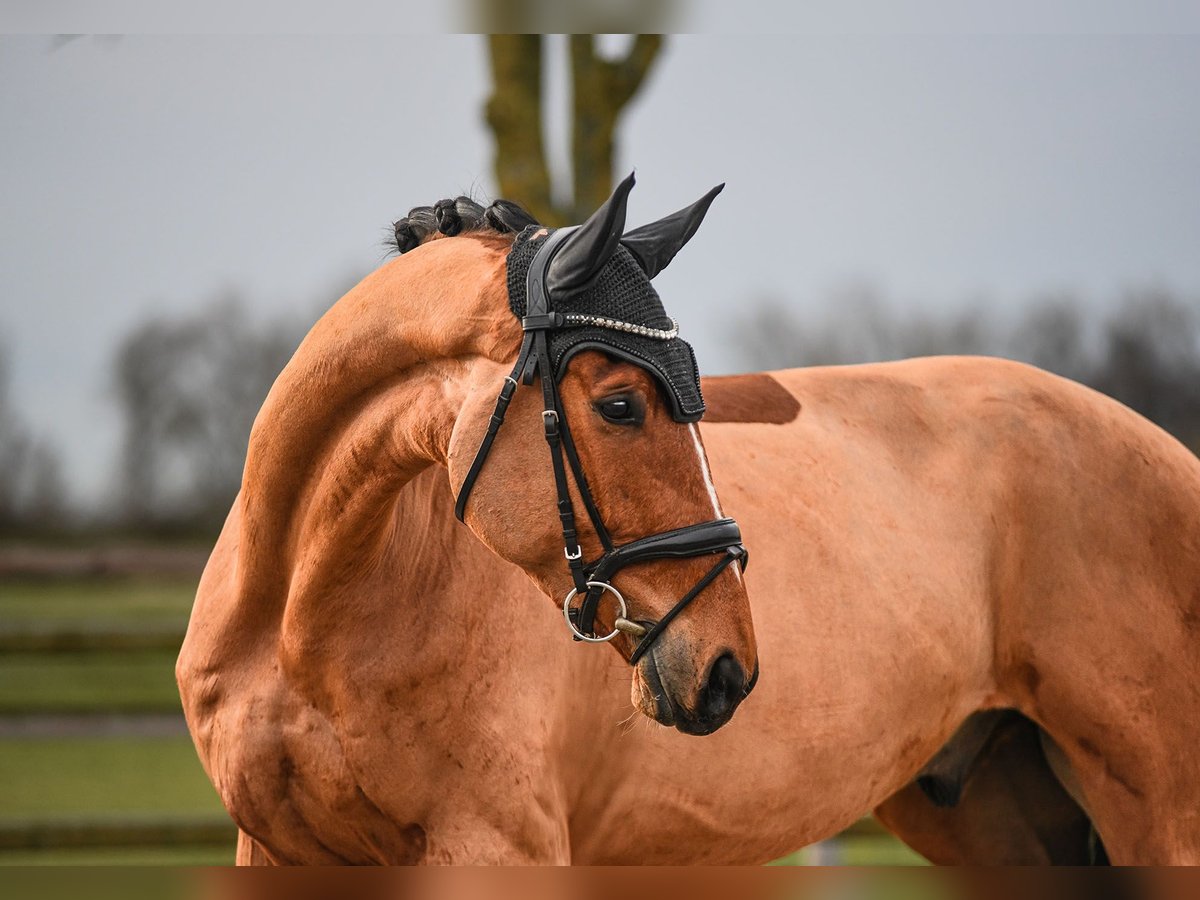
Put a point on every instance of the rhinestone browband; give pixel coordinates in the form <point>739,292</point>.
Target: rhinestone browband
<point>658,334</point>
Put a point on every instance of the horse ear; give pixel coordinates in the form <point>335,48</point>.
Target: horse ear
<point>655,245</point>
<point>586,250</point>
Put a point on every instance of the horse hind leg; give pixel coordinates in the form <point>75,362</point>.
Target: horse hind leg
<point>1059,765</point>
<point>943,777</point>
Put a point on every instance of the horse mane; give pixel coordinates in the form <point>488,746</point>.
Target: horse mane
<point>462,215</point>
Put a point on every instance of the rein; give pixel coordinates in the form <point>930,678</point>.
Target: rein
<point>593,580</point>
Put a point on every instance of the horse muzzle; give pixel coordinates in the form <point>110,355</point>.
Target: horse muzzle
<point>725,685</point>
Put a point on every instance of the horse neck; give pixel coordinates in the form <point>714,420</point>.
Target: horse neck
<point>368,401</point>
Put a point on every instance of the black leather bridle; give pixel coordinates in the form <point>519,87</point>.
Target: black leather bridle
<point>592,580</point>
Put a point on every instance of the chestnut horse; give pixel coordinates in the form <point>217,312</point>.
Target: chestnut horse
<point>409,746</point>
<point>369,681</point>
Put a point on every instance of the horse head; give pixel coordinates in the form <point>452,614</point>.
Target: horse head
<point>596,486</point>
<point>619,522</point>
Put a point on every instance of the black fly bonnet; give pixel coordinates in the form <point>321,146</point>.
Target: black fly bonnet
<point>589,288</point>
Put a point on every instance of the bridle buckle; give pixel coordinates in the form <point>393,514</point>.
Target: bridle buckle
<point>535,359</point>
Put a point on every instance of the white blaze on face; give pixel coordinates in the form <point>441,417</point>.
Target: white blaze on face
<point>708,484</point>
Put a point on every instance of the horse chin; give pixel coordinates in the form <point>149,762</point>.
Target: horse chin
<point>649,695</point>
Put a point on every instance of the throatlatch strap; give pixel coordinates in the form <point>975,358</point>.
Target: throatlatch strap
<point>485,445</point>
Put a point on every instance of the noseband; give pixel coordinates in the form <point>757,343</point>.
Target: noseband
<point>593,580</point>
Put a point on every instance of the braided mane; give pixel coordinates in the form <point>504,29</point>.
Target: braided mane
<point>447,218</point>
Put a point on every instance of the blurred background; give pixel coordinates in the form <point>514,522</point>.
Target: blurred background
<point>178,211</point>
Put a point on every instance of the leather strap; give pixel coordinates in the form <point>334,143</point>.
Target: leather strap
<point>692,540</point>
<point>534,360</point>
<point>734,553</point>
<point>681,543</point>
<point>485,445</point>
<point>566,509</point>
<point>584,490</point>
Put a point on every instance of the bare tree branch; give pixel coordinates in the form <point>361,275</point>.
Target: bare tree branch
<point>601,90</point>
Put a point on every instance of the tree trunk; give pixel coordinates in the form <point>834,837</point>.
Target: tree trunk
<point>514,114</point>
<point>601,90</point>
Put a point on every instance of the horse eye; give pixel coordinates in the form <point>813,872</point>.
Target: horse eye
<point>618,410</point>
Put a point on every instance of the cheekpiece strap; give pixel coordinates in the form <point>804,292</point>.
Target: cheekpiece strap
<point>590,581</point>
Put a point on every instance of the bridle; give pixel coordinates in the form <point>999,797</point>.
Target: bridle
<point>593,580</point>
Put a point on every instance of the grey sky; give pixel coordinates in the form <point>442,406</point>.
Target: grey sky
<point>773,16</point>
<point>142,176</point>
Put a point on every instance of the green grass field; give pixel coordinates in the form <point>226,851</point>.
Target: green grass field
<point>57,779</point>
<point>93,681</point>
<point>142,681</point>
<point>48,779</point>
<point>867,850</point>
<point>133,601</point>
<point>202,855</point>
<point>59,776</point>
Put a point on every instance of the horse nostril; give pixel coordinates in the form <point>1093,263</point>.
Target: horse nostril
<point>726,681</point>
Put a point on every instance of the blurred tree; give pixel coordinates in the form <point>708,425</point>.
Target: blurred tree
<point>1147,353</point>
<point>601,89</point>
<point>189,390</point>
<point>1054,336</point>
<point>863,329</point>
<point>32,495</point>
<point>1151,361</point>
<point>514,114</point>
